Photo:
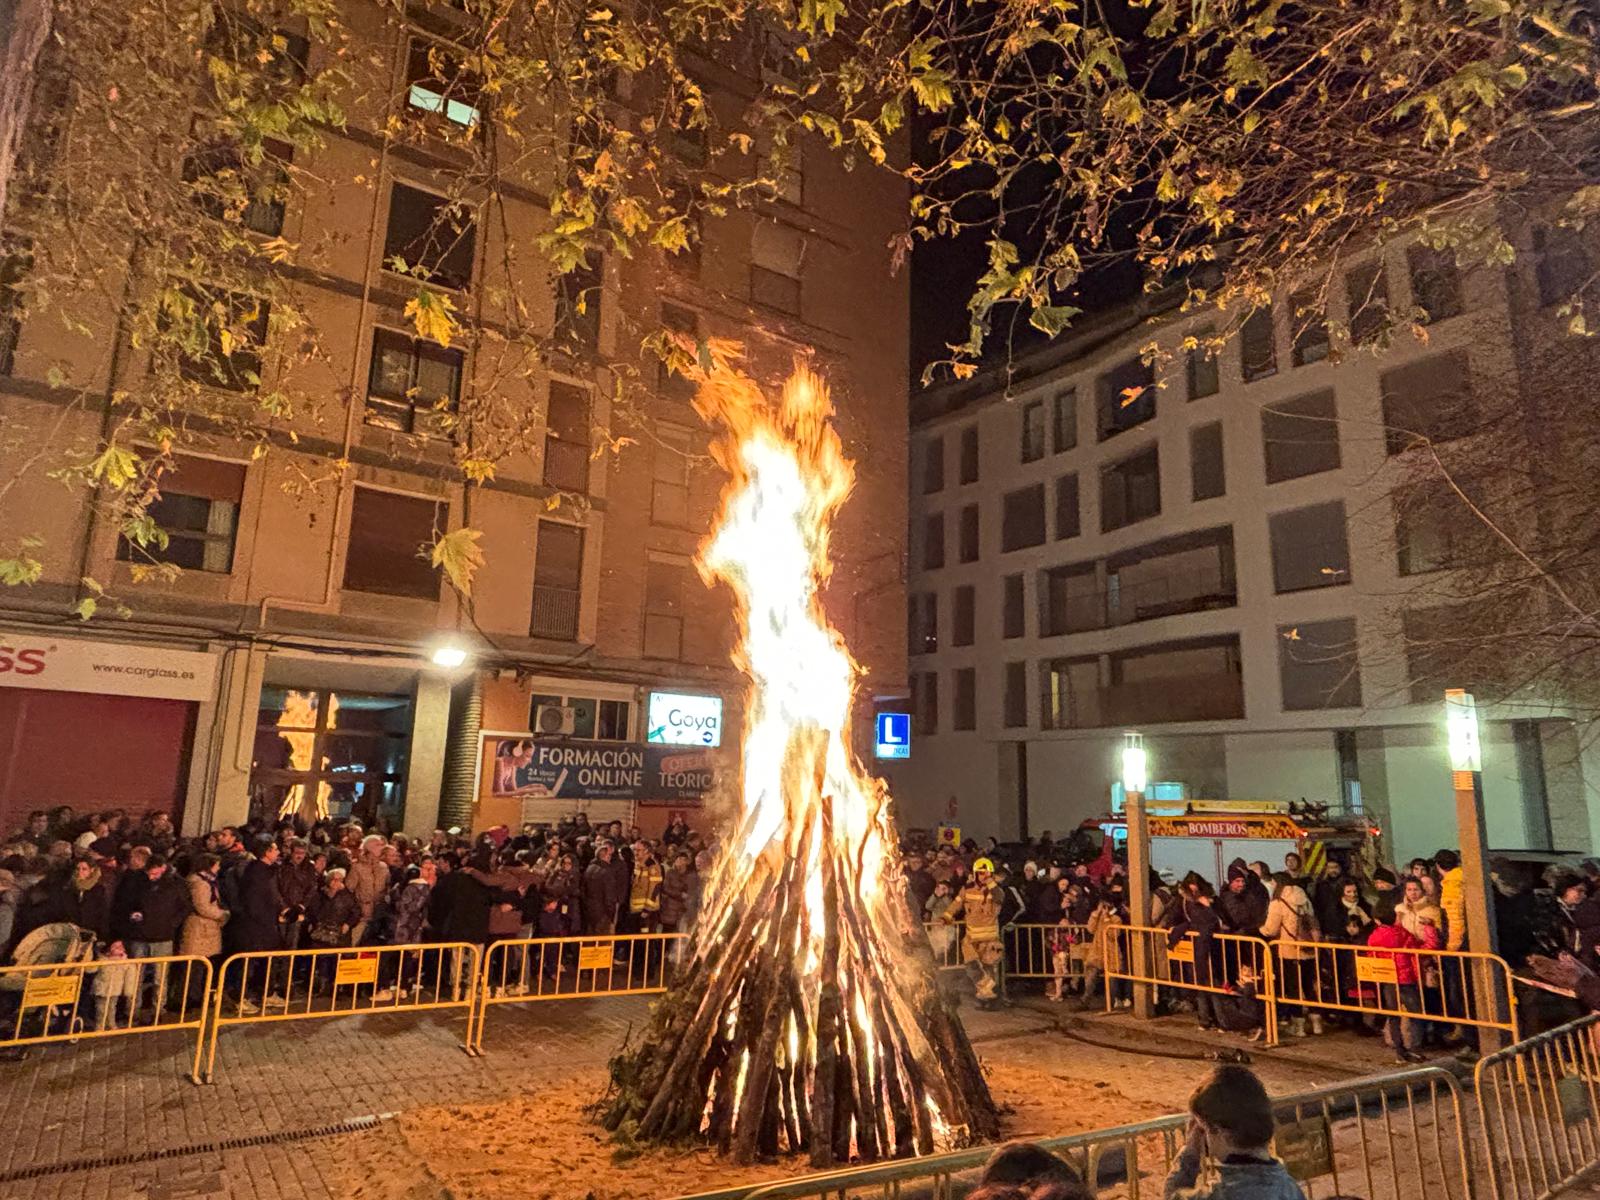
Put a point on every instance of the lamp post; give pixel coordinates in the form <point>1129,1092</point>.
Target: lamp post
<point>1135,774</point>
<point>1466,774</point>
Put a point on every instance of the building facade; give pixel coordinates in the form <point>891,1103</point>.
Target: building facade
<point>1216,550</point>
<point>288,668</point>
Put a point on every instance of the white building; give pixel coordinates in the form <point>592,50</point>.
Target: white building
<point>1215,564</point>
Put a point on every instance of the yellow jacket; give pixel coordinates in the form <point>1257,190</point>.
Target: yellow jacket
<point>645,894</point>
<point>981,907</point>
<point>1455,912</point>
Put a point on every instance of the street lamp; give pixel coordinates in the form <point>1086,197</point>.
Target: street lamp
<point>1466,777</point>
<point>1135,776</point>
<point>449,655</point>
<point>1134,763</point>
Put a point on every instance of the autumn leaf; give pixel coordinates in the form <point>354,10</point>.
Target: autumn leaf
<point>479,470</point>
<point>115,466</point>
<point>459,556</point>
<point>433,315</point>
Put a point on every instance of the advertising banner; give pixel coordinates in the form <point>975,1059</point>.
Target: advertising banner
<point>568,769</point>
<point>66,664</point>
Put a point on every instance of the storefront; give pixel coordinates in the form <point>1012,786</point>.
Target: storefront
<point>97,725</point>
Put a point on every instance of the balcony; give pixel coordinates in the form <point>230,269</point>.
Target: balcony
<point>1187,574</point>
<point>555,613</point>
<point>1196,589</point>
<point>1212,697</point>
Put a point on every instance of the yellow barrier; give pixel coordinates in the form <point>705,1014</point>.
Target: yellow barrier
<point>1056,952</point>
<point>944,939</point>
<point>62,1002</point>
<point>1540,1105</point>
<point>571,968</point>
<point>1235,962</point>
<point>294,985</point>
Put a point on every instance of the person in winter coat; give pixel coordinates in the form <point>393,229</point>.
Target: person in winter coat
<point>1200,924</point>
<point>333,916</point>
<point>1242,907</point>
<point>1403,1034</point>
<point>298,883</point>
<point>1580,912</point>
<point>461,904</point>
<point>1292,925</point>
<point>88,900</point>
<point>1231,1123</point>
<point>564,885</point>
<point>254,925</point>
<point>161,904</point>
<point>603,893</point>
<point>675,886</point>
<point>368,883</point>
<point>1111,912</point>
<point>201,934</point>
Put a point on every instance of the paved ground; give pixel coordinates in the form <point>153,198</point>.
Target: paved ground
<point>70,1103</point>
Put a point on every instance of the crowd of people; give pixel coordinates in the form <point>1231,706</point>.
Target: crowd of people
<point>141,890</point>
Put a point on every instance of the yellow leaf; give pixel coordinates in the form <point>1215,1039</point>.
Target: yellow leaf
<point>479,470</point>
<point>459,556</point>
<point>432,315</point>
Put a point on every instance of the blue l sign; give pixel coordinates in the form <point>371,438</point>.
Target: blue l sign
<point>894,735</point>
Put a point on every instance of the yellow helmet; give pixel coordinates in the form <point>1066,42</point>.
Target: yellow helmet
<point>983,864</point>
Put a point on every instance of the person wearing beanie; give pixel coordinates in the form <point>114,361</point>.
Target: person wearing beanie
<point>1231,1122</point>
<point>1386,895</point>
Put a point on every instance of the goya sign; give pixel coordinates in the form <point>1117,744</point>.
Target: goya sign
<point>675,719</point>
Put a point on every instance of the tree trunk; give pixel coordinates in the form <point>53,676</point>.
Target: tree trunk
<point>24,26</point>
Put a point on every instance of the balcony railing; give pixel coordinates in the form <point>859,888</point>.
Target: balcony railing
<point>566,465</point>
<point>1218,696</point>
<point>555,613</point>
<point>1196,590</point>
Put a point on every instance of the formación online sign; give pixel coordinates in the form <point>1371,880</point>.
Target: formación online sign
<point>577,770</point>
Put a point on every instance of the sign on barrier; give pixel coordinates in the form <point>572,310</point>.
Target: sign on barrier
<point>1376,970</point>
<point>355,970</point>
<point>596,958</point>
<point>1182,952</point>
<point>48,990</point>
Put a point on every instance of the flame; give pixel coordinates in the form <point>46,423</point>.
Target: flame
<point>296,725</point>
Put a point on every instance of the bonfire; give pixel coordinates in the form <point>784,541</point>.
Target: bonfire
<point>807,1016</point>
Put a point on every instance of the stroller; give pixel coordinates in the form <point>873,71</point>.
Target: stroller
<point>59,942</point>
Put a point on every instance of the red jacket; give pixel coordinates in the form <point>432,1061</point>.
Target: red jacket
<point>1397,937</point>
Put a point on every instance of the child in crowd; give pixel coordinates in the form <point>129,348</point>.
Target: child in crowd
<point>1231,1122</point>
<point>116,979</point>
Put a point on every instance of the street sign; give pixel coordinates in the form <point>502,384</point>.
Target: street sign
<point>894,735</point>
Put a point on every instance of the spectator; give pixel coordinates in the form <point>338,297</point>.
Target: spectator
<point>299,877</point>
<point>201,934</point>
<point>334,914</point>
<point>1291,923</point>
<point>162,903</point>
<point>644,893</point>
<point>1231,1122</point>
<point>1403,1034</point>
<point>87,900</point>
<point>675,887</point>
<point>602,893</point>
<point>1242,907</point>
<point>116,984</point>
<point>1026,1165</point>
<point>368,883</point>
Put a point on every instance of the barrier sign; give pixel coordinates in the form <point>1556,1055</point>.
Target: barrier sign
<point>355,970</point>
<point>46,990</point>
<point>1182,952</point>
<point>894,735</point>
<point>1306,1148</point>
<point>1376,970</point>
<point>596,958</point>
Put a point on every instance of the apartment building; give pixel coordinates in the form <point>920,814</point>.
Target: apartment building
<point>1218,551</point>
<point>289,667</point>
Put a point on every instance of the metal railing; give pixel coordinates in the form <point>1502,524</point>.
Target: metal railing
<point>1239,971</point>
<point>1539,1101</point>
<point>295,985</point>
<point>106,997</point>
<point>1054,952</point>
<point>571,968</point>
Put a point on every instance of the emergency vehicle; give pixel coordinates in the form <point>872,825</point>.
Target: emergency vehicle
<point>1204,836</point>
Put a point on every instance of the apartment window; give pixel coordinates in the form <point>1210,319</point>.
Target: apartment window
<point>412,383</point>
<point>1366,291</point>
<point>1309,547</point>
<point>1201,367</point>
<point>933,466</point>
<point>1201,679</point>
<point>670,384</point>
<point>388,546</point>
<point>566,438</point>
<point>1070,694</point>
<point>557,581</point>
<point>221,338</point>
<point>1310,328</point>
<point>1563,266</point>
<point>963,619</point>
<point>197,507</point>
<point>1126,397</point>
<point>1258,353</point>
<point>437,84</point>
<point>246,44</point>
<point>1429,400</point>
<point>1014,709</point>
<point>1013,612</point>
<point>776,253</point>
<point>1300,437</point>
<point>1067,522</point>
<point>922,622</point>
<point>1435,282</point>
<point>1435,530</point>
<point>1130,490</point>
<point>970,545</point>
<point>969,454</point>
<point>925,702</point>
<point>964,705</point>
<point>1206,475</point>
<point>1317,665</point>
<point>430,237</point>
<point>665,585</point>
<point>226,187</point>
<point>1064,420</point>
<point>1071,600</point>
<point>1033,431</point>
<point>933,542</point>
<point>14,267</point>
<point>669,479</point>
<point>1440,644</point>
<point>578,295</point>
<point>1022,518</point>
<point>784,170</point>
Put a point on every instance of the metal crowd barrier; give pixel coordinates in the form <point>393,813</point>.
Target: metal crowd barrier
<point>1540,1105</point>
<point>295,985</point>
<point>1054,952</point>
<point>1139,954</point>
<point>571,968</point>
<point>945,942</point>
<point>1388,1137</point>
<point>105,997</point>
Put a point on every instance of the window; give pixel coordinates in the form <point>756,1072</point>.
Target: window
<point>388,545</point>
<point>962,616</point>
<point>1201,367</point>
<point>1064,420</point>
<point>776,254</point>
<point>227,187</point>
<point>319,752</point>
<point>784,170</point>
<point>665,583</point>
<point>1443,649</point>
<point>1429,400</point>
<point>933,466</point>
<point>218,319</point>
<point>1071,600</point>
<point>1366,291</point>
<point>925,702</point>
<point>1309,548</point>
<point>1189,572</point>
<point>1014,709</point>
<point>197,507</point>
<point>557,581</point>
<point>1435,530</point>
<point>412,383</point>
<point>1310,328</point>
<point>1435,282</point>
<point>969,454</point>
<point>964,707</point>
<point>566,438</point>
<point>593,719</point>
<point>1130,490</point>
<point>1067,523</point>
<point>970,550</point>
<point>1022,518</point>
<point>670,384</point>
<point>436,83</point>
<point>922,622</point>
<point>1258,355</point>
<point>933,542</point>
<point>669,481</point>
<point>1317,665</point>
<point>1300,437</point>
<point>245,44</point>
<point>1033,431</point>
<point>14,266</point>
<point>430,237</point>
<point>1069,694</point>
<point>1127,397</point>
<point>1563,265</point>
<point>1200,679</point>
<point>1206,475</point>
<point>578,295</point>
<point>1013,615</point>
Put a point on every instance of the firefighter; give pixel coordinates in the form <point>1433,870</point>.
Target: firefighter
<point>982,950</point>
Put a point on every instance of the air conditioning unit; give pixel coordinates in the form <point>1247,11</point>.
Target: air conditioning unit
<point>554,718</point>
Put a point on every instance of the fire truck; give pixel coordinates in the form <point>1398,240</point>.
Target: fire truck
<point>1204,836</point>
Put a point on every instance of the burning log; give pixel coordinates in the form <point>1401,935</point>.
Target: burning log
<point>808,1018</point>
